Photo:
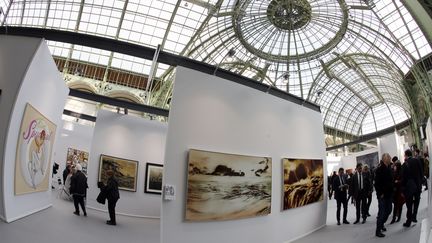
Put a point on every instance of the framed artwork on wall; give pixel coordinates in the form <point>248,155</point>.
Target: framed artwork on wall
<point>75,156</point>
<point>33,154</point>
<point>125,171</point>
<point>153,178</point>
<point>371,160</point>
<point>303,182</point>
<point>227,186</point>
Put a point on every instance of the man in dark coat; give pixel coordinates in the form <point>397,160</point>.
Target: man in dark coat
<point>412,175</point>
<point>340,188</point>
<point>360,189</point>
<point>112,195</point>
<point>78,189</point>
<point>384,192</point>
<point>66,172</point>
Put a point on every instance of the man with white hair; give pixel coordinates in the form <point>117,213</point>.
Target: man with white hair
<point>78,189</point>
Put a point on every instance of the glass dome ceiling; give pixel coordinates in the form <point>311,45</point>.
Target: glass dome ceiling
<point>348,56</point>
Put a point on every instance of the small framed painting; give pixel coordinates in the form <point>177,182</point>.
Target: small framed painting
<point>153,178</point>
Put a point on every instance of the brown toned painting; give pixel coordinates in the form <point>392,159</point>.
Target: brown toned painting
<point>227,186</point>
<point>303,182</point>
<point>125,171</point>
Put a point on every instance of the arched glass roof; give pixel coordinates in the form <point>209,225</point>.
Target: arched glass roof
<point>348,56</point>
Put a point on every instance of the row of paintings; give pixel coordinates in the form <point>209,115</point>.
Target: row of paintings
<point>228,186</point>
<point>220,186</point>
<point>126,172</point>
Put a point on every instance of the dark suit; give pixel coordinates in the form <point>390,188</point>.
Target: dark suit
<point>340,194</point>
<point>78,190</point>
<point>411,186</point>
<point>384,192</point>
<point>360,185</point>
<point>112,195</point>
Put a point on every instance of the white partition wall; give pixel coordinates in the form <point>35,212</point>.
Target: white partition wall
<point>214,114</point>
<point>132,138</point>
<point>390,144</point>
<point>28,74</point>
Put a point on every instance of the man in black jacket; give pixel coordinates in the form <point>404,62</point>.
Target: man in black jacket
<point>78,189</point>
<point>384,192</point>
<point>340,188</point>
<point>112,195</point>
<point>360,189</point>
<point>412,175</point>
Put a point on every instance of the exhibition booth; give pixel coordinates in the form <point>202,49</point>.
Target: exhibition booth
<point>239,164</point>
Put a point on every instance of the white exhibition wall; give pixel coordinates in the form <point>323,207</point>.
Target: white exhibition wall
<point>28,75</point>
<point>214,114</point>
<point>390,144</point>
<point>72,135</point>
<point>132,138</point>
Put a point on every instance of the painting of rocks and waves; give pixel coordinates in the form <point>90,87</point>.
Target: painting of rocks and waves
<point>303,182</point>
<point>125,171</point>
<point>227,186</point>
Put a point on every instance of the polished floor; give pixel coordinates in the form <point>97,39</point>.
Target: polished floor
<point>58,224</point>
<point>365,233</point>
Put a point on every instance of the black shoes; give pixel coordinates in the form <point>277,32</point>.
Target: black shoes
<point>364,221</point>
<point>76,213</point>
<point>346,222</point>
<point>393,221</point>
<point>356,222</point>
<point>338,223</point>
<point>414,220</point>
<point>384,229</point>
<point>368,215</point>
<point>110,223</point>
<point>85,214</point>
<point>379,234</point>
<point>407,224</point>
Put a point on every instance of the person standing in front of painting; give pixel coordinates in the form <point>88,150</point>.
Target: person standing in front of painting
<point>340,188</point>
<point>78,189</point>
<point>112,195</point>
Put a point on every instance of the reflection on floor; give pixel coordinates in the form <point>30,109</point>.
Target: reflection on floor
<point>58,224</point>
<point>362,233</point>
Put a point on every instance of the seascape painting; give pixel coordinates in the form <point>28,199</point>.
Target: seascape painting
<point>125,171</point>
<point>153,178</point>
<point>371,160</point>
<point>227,186</point>
<point>33,154</point>
<point>303,182</point>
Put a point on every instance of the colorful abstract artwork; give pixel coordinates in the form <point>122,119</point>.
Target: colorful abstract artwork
<point>75,156</point>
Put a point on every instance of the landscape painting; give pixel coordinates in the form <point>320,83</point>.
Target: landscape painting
<point>153,179</point>
<point>303,182</point>
<point>371,160</point>
<point>227,186</point>
<point>125,171</point>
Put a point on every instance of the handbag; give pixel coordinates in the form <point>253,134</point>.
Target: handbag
<point>101,198</point>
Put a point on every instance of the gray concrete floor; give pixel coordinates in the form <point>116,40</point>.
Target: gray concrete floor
<point>59,224</point>
<point>362,233</point>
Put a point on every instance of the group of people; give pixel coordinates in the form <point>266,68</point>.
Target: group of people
<point>75,183</point>
<point>395,184</point>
